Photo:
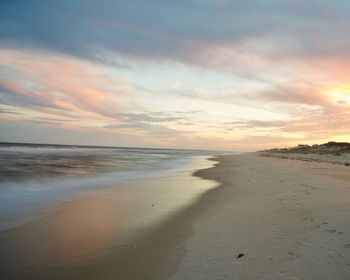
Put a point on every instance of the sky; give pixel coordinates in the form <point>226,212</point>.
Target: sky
<point>199,74</point>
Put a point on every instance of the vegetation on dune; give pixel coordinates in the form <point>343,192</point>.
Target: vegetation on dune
<point>334,148</point>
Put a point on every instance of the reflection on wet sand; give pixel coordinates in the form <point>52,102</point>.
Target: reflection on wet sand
<point>84,232</point>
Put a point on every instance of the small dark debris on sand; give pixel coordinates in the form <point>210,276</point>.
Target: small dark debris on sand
<point>240,255</point>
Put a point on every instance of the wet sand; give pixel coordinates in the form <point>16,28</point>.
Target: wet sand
<point>284,219</point>
<point>117,234</point>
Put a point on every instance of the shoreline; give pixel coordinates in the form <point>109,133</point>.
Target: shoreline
<point>43,197</point>
<point>269,218</point>
<point>120,254</point>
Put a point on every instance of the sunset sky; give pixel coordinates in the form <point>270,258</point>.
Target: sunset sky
<point>228,75</point>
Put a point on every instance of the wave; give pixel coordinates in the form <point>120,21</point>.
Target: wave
<point>33,175</point>
<point>17,199</point>
<point>27,162</point>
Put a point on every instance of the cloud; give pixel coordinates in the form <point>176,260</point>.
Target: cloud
<point>297,93</point>
<point>312,115</point>
<point>247,70</point>
<point>56,91</point>
<point>58,85</point>
<point>243,32</point>
<point>152,124</point>
<point>151,118</point>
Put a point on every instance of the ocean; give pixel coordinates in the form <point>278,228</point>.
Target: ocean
<point>37,175</point>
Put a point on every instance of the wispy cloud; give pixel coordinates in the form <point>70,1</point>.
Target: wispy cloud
<point>262,73</point>
<point>51,84</point>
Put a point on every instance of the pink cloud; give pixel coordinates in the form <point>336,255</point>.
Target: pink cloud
<point>61,85</point>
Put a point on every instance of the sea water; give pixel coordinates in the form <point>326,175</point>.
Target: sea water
<point>35,175</point>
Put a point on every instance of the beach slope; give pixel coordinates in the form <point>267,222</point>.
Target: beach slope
<point>272,219</point>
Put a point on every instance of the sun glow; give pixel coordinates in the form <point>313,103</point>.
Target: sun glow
<point>339,94</point>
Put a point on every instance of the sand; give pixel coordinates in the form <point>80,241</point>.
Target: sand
<point>289,218</point>
<point>337,158</point>
<point>286,219</point>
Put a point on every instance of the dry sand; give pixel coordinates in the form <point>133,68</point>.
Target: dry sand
<point>340,158</point>
<point>288,219</point>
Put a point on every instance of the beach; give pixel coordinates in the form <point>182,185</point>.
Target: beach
<point>288,217</point>
<point>175,140</point>
<point>264,218</point>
